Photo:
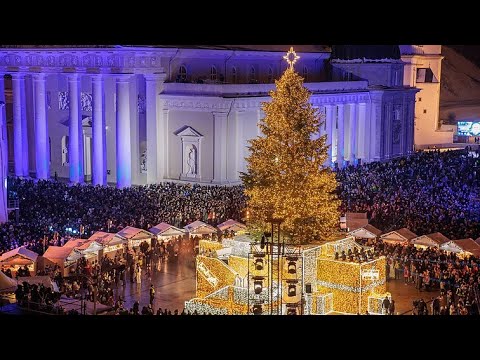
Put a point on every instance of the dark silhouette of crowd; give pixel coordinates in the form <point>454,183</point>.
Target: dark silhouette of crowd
<point>426,192</point>
<point>432,269</point>
<point>47,207</point>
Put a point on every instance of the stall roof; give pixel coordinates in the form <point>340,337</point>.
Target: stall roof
<point>131,232</point>
<point>167,229</point>
<point>231,224</point>
<point>435,239</point>
<point>20,251</point>
<point>102,237</point>
<point>199,227</point>
<point>58,252</point>
<point>7,284</point>
<point>74,243</point>
<point>90,246</point>
<point>366,231</point>
<point>468,245</point>
<point>400,235</point>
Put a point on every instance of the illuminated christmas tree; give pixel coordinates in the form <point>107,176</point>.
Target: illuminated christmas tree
<point>286,177</point>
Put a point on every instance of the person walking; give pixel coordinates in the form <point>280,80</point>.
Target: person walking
<point>139,274</point>
<point>152,295</point>
<point>391,308</point>
<point>385,305</point>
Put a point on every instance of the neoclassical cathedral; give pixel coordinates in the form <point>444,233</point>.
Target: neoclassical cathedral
<point>130,115</point>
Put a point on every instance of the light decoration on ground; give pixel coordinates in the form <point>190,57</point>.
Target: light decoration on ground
<point>344,280</point>
<point>375,303</point>
<point>322,304</point>
<point>209,268</point>
<point>339,286</point>
<point>209,245</point>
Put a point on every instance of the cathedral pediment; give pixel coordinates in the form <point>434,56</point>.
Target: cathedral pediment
<point>188,131</point>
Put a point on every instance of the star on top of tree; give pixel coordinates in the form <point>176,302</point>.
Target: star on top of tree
<point>291,57</point>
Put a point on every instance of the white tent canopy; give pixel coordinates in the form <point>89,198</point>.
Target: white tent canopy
<point>365,232</point>
<point>200,228</point>
<point>232,225</point>
<point>20,252</point>
<point>7,284</point>
<point>400,236</point>
<point>164,230</point>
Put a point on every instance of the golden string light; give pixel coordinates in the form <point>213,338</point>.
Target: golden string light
<point>291,57</point>
<point>286,174</point>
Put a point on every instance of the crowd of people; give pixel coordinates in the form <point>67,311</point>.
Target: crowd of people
<point>432,269</point>
<point>49,207</point>
<point>426,192</point>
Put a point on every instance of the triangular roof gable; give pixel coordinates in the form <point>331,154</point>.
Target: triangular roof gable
<point>424,240</point>
<point>165,229</point>
<point>131,232</point>
<point>102,237</point>
<point>74,243</point>
<point>451,246</point>
<point>90,246</point>
<point>193,227</point>
<point>58,252</point>
<point>393,235</point>
<point>188,131</point>
<point>407,234</point>
<point>373,229</point>
<point>21,251</point>
<point>362,233</point>
<point>468,245</point>
<point>438,238</point>
<point>231,223</point>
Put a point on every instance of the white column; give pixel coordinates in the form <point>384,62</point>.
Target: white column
<point>124,142</point>
<point>240,143</point>
<point>362,140</point>
<point>387,134</point>
<point>162,145</point>
<point>329,132</point>
<point>3,154</point>
<point>75,132</point>
<point>98,132</point>
<point>18,89</point>
<point>42,151</point>
<point>341,136</point>
<point>352,133</point>
<point>152,82</point>
<point>411,126</point>
<point>220,147</point>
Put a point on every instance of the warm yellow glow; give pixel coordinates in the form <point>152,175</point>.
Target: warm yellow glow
<point>291,57</point>
<point>286,177</point>
<point>212,274</point>
<point>344,280</point>
<point>205,245</point>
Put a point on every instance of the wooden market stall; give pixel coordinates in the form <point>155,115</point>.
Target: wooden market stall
<point>232,226</point>
<point>64,256</point>
<point>401,236</point>
<point>430,240</point>
<point>91,250</point>
<point>199,228</point>
<point>366,232</point>
<point>111,244</point>
<point>166,232</point>
<point>462,247</point>
<point>134,236</point>
<point>18,258</point>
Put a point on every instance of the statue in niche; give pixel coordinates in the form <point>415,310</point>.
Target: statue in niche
<point>63,101</point>
<point>191,160</point>
<point>86,100</point>
<point>143,162</point>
